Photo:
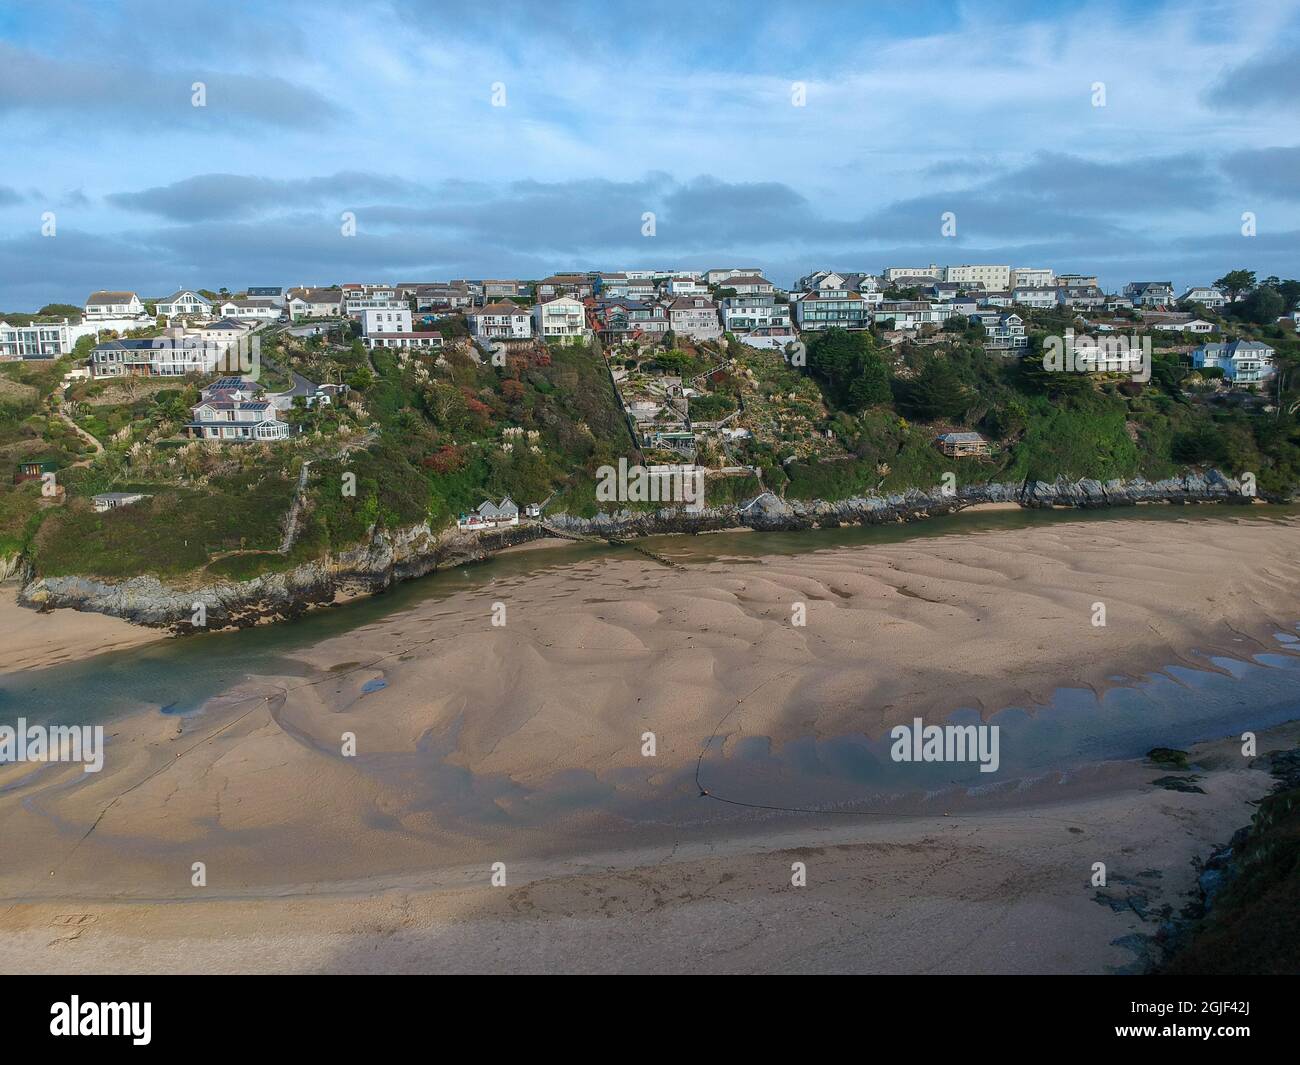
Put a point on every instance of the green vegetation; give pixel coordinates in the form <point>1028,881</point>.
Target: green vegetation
<point>424,436</point>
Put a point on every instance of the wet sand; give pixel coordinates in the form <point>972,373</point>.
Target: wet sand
<point>479,742</point>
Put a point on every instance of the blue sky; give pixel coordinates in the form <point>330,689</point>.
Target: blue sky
<point>385,109</point>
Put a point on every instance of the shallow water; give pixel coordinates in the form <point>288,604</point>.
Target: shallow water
<point>1075,730</point>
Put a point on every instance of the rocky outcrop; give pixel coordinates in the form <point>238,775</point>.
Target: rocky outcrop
<point>388,557</point>
<point>771,513</point>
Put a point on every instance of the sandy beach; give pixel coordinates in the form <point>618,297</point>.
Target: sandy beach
<point>31,639</point>
<point>522,742</point>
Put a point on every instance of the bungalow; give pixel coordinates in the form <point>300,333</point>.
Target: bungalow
<point>1206,295</point>
<point>105,304</point>
<point>315,303</point>
<point>257,310</point>
<point>40,340</point>
<point>695,317</point>
<point>561,318</point>
<point>1244,362</point>
<point>504,321</point>
<point>112,500</point>
<point>960,445</point>
<point>185,304</point>
<point>490,515</point>
<point>1196,325</point>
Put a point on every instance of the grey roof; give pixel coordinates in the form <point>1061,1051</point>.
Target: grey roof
<point>109,297</point>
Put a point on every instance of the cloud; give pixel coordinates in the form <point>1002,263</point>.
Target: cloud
<point>9,196</point>
<point>1271,172</point>
<point>135,96</point>
<point>207,197</point>
<point>1270,79</point>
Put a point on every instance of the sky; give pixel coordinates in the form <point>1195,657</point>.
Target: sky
<point>1126,140</point>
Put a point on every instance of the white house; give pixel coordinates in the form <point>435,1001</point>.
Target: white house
<point>1244,362</point>
<point>1196,325</point>
<point>315,303</point>
<point>105,304</point>
<point>185,304</point>
<point>256,310</point>
<point>562,318</point>
<point>386,318</point>
<point>504,321</point>
<point>40,340</point>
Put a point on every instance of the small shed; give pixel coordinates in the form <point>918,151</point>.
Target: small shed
<point>959,445</point>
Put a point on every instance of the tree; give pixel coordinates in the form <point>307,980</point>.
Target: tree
<point>1263,306</point>
<point>936,392</point>
<point>1235,282</point>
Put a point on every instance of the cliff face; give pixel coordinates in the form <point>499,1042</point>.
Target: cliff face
<point>388,557</point>
<point>393,556</point>
<point>769,512</point>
